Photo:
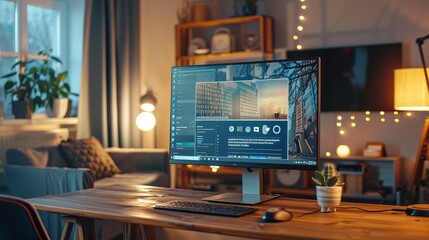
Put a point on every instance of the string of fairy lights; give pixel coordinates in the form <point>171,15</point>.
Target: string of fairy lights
<point>300,28</point>
<point>344,121</point>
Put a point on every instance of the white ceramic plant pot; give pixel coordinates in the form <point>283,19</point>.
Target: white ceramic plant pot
<point>328,197</point>
<point>59,108</point>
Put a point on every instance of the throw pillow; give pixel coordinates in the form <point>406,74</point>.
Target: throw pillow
<point>89,153</point>
<point>55,159</point>
<point>27,157</point>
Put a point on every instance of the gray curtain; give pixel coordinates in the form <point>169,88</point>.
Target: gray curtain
<point>110,87</point>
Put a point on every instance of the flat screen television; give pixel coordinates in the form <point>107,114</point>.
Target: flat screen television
<point>249,115</point>
<point>356,78</point>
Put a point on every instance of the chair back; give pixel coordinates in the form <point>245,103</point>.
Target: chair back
<point>20,220</point>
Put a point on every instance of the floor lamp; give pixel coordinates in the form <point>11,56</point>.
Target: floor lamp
<point>412,94</point>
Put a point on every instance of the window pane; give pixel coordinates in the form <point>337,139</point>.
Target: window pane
<point>43,29</point>
<point>8,25</point>
<point>5,64</point>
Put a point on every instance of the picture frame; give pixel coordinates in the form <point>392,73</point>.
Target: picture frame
<point>374,149</point>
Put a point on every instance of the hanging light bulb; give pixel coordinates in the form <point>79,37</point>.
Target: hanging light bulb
<point>146,121</point>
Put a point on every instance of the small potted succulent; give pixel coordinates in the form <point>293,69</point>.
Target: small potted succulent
<point>329,187</point>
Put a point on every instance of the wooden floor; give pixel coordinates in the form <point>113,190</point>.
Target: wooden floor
<point>134,204</point>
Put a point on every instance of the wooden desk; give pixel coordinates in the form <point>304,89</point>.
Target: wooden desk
<point>133,204</point>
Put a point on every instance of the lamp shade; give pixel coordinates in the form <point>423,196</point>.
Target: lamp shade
<point>411,90</point>
<point>148,101</point>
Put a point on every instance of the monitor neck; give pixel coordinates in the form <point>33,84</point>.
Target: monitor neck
<point>252,190</point>
<point>251,181</point>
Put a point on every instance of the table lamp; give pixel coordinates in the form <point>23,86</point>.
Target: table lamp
<point>412,94</point>
<point>146,120</point>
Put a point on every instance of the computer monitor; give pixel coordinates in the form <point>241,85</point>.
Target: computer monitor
<point>250,115</point>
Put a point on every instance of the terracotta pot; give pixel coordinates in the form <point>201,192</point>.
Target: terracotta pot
<point>328,197</point>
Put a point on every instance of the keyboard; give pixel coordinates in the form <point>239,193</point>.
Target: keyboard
<point>206,208</point>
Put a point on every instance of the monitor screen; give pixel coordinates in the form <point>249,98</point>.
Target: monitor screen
<point>256,114</point>
<point>356,78</point>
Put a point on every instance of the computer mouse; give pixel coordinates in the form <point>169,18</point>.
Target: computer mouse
<point>276,215</point>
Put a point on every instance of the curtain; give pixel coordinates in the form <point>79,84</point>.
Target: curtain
<point>110,87</point>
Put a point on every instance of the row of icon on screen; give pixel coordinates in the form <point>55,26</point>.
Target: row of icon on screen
<point>307,162</point>
<point>276,129</point>
<point>210,158</point>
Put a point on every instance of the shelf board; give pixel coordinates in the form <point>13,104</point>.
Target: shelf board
<point>362,158</point>
<point>207,169</point>
<point>219,22</point>
<point>232,55</point>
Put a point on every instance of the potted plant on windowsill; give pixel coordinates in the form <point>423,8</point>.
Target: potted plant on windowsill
<point>23,86</point>
<point>54,87</point>
<point>329,188</point>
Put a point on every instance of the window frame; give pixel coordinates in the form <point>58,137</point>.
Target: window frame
<point>21,48</point>
<point>21,35</point>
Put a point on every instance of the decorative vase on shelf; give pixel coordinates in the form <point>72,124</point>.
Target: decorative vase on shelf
<point>59,108</point>
<point>250,42</point>
<point>249,10</point>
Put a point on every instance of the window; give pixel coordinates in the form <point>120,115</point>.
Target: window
<point>27,27</point>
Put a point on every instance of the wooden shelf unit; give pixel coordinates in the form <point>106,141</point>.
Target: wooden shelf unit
<point>381,175</point>
<point>184,33</point>
<point>186,173</point>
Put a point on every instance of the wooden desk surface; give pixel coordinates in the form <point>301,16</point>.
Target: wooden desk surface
<point>133,204</point>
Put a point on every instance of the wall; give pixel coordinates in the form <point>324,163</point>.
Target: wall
<point>157,45</point>
<point>348,22</point>
<point>329,23</point>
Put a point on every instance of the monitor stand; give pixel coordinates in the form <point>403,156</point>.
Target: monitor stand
<point>251,191</point>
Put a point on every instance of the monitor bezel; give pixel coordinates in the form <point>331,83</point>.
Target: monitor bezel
<point>251,164</point>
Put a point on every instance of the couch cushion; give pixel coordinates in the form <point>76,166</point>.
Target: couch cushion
<point>56,159</point>
<point>89,153</point>
<point>27,157</point>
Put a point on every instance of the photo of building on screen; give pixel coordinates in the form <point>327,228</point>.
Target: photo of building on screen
<point>242,100</point>
<point>303,108</point>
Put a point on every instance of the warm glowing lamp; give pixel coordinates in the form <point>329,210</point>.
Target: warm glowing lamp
<point>411,92</point>
<point>214,168</point>
<point>343,151</point>
<point>146,121</point>
<point>415,98</point>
